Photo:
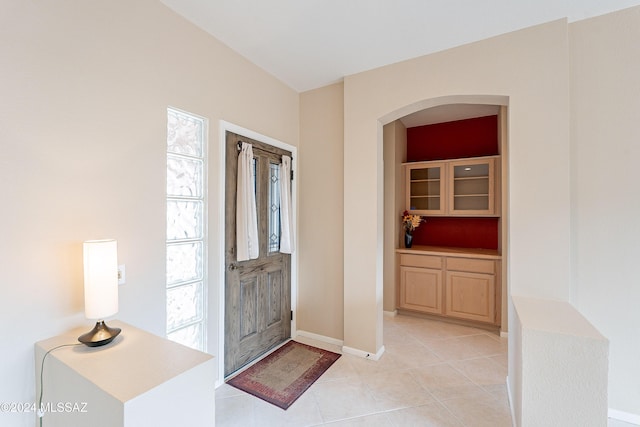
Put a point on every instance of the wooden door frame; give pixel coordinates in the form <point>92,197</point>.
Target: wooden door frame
<point>220,267</point>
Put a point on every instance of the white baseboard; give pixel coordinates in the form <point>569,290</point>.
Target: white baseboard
<point>624,416</point>
<point>345,350</point>
<point>321,338</point>
<point>393,313</point>
<point>363,354</point>
<point>504,334</point>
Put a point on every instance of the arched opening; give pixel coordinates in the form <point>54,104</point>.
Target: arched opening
<point>392,136</point>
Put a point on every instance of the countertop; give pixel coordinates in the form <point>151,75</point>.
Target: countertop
<point>451,251</point>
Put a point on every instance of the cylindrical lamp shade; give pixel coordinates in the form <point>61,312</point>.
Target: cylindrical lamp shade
<point>100,278</point>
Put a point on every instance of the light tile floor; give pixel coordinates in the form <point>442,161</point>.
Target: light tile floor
<point>431,374</point>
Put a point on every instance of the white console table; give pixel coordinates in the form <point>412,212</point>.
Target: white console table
<point>139,379</point>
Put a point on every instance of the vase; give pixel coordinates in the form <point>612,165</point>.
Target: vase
<point>408,240</point>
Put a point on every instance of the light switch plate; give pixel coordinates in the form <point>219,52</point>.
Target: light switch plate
<point>121,275</point>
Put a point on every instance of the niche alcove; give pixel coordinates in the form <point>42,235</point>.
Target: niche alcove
<point>455,250</point>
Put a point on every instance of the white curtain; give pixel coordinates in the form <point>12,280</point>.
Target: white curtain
<point>246,215</point>
<point>286,213</point>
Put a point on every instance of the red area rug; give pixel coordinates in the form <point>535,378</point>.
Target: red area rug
<point>282,377</point>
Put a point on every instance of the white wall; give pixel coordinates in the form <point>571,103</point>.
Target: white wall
<point>605,111</point>
<point>320,309</point>
<point>85,87</point>
<point>530,69</point>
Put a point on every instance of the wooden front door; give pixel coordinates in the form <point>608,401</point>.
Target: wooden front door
<point>257,291</point>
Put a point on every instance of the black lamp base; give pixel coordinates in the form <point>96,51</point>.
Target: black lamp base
<point>101,334</point>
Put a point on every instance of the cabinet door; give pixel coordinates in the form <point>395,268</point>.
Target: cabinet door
<point>421,289</point>
<point>425,188</point>
<point>472,187</point>
<point>470,296</point>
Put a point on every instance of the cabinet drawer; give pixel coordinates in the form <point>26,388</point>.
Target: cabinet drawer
<point>424,261</point>
<point>471,265</point>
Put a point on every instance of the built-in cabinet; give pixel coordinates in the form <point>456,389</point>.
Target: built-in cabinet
<point>465,187</point>
<point>451,283</point>
<point>453,177</point>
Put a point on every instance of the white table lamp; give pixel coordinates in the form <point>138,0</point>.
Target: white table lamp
<point>100,289</point>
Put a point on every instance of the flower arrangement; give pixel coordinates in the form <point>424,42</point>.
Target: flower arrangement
<point>411,222</point>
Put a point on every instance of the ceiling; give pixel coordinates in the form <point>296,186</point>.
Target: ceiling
<point>311,43</point>
<point>448,113</point>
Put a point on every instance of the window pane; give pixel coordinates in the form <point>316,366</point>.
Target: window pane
<point>184,176</point>
<point>184,219</point>
<point>184,134</point>
<point>274,207</point>
<point>184,305</point>
<point>191,336</point>
<point>185,229</point>
<point>184,262</point>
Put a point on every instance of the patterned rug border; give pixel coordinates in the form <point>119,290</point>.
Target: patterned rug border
<point>283,399</point>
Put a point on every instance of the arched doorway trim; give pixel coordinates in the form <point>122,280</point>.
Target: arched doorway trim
<point>443,100</point>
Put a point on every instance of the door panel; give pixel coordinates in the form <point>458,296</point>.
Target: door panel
<point>471,296</point>
<point>257,292</point>
<point>248,307</point>
<point>421,289</point>
<point>275,298</point>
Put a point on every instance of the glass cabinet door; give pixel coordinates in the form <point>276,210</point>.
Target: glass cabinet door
<point>425,188</point>
<point>472,190</point>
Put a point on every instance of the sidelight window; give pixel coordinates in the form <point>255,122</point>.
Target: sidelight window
<point>186,230</point>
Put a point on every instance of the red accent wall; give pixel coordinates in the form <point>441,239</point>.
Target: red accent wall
<point>453,140</point>
<point>458,232</point>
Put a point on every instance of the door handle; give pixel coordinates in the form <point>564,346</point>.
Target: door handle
<point>232,267</point>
